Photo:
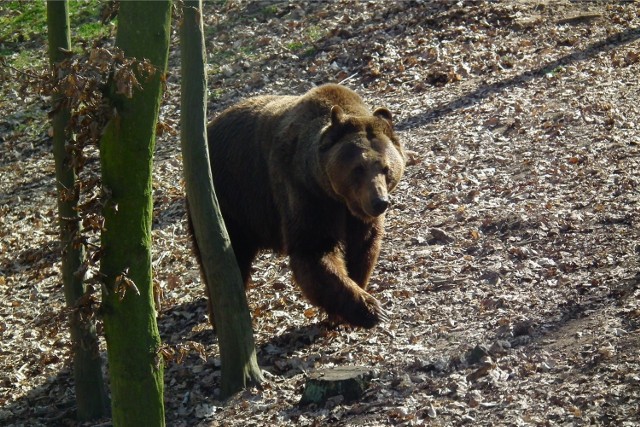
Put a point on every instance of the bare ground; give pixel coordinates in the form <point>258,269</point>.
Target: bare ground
<point>510,264</point>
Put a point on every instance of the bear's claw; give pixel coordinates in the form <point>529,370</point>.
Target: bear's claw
<point>365,311</point>
<point>384,315</point>
<point>366,315</point>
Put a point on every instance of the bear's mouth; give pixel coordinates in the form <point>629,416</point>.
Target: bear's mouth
<point>361,213</point>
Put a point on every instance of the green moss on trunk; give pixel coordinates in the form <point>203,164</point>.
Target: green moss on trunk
<point>126,153</point>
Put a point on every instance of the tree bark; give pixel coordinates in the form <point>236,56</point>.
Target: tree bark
<point>126,152</point>
<point>350,382</point>
<point>91,398</point>
<point>223,280</point>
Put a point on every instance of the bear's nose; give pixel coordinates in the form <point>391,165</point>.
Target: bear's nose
<point>379,205</point>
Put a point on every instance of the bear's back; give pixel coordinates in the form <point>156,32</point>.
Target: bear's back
<point>240,171</point>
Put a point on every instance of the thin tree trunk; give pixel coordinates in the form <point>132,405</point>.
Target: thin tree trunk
<point>224,283</point>
<point>126,152</point>
<point>91,397</point>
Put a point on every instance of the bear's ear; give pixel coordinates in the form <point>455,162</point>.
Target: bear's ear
<point>332,133</point>
<point>337,115</point>
<point>384,114</point>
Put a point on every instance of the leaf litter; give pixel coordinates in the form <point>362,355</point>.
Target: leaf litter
<point>510,264</point>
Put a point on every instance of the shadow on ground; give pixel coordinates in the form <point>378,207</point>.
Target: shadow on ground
<point>483,92</point>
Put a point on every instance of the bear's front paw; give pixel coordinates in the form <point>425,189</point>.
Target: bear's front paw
<point>365,311</point>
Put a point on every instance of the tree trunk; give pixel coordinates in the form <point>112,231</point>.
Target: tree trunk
<point>126,152</point>
<point>91,397</point>
<point>350,382</point>
<point>224,283</point>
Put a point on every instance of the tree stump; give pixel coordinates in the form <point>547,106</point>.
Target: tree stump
<point>348,381</point>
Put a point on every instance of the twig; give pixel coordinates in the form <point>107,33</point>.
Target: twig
<point>11,67</point>
<point>526,242</point>
<point>349,78</point>
<point>576,19</point>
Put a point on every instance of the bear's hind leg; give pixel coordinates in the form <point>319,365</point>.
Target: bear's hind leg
<point>244,253</point>
<point>243,249</point>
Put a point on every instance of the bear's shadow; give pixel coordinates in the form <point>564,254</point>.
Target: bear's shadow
<point>176,327</point>
<point>290,340</point>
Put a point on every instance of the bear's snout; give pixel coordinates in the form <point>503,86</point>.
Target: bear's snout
<point>379,205</point>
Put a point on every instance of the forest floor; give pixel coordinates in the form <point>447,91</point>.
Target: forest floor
<point>511,261</point>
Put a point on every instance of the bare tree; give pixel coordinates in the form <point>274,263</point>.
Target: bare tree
<point>227,299</point>
<point>91,396</point>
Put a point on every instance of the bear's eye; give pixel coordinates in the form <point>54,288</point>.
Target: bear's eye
<point>385,170</point>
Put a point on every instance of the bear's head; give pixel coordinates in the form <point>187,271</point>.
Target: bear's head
<point>363,160</point>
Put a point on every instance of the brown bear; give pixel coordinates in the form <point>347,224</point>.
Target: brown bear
<point>309,176</point>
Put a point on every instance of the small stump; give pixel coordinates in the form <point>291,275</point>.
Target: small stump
<point>348,381</point>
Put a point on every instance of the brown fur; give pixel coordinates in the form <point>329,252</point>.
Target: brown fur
<point>309,176</point>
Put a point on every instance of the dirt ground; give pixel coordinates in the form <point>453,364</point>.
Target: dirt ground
<point>511,261</point>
